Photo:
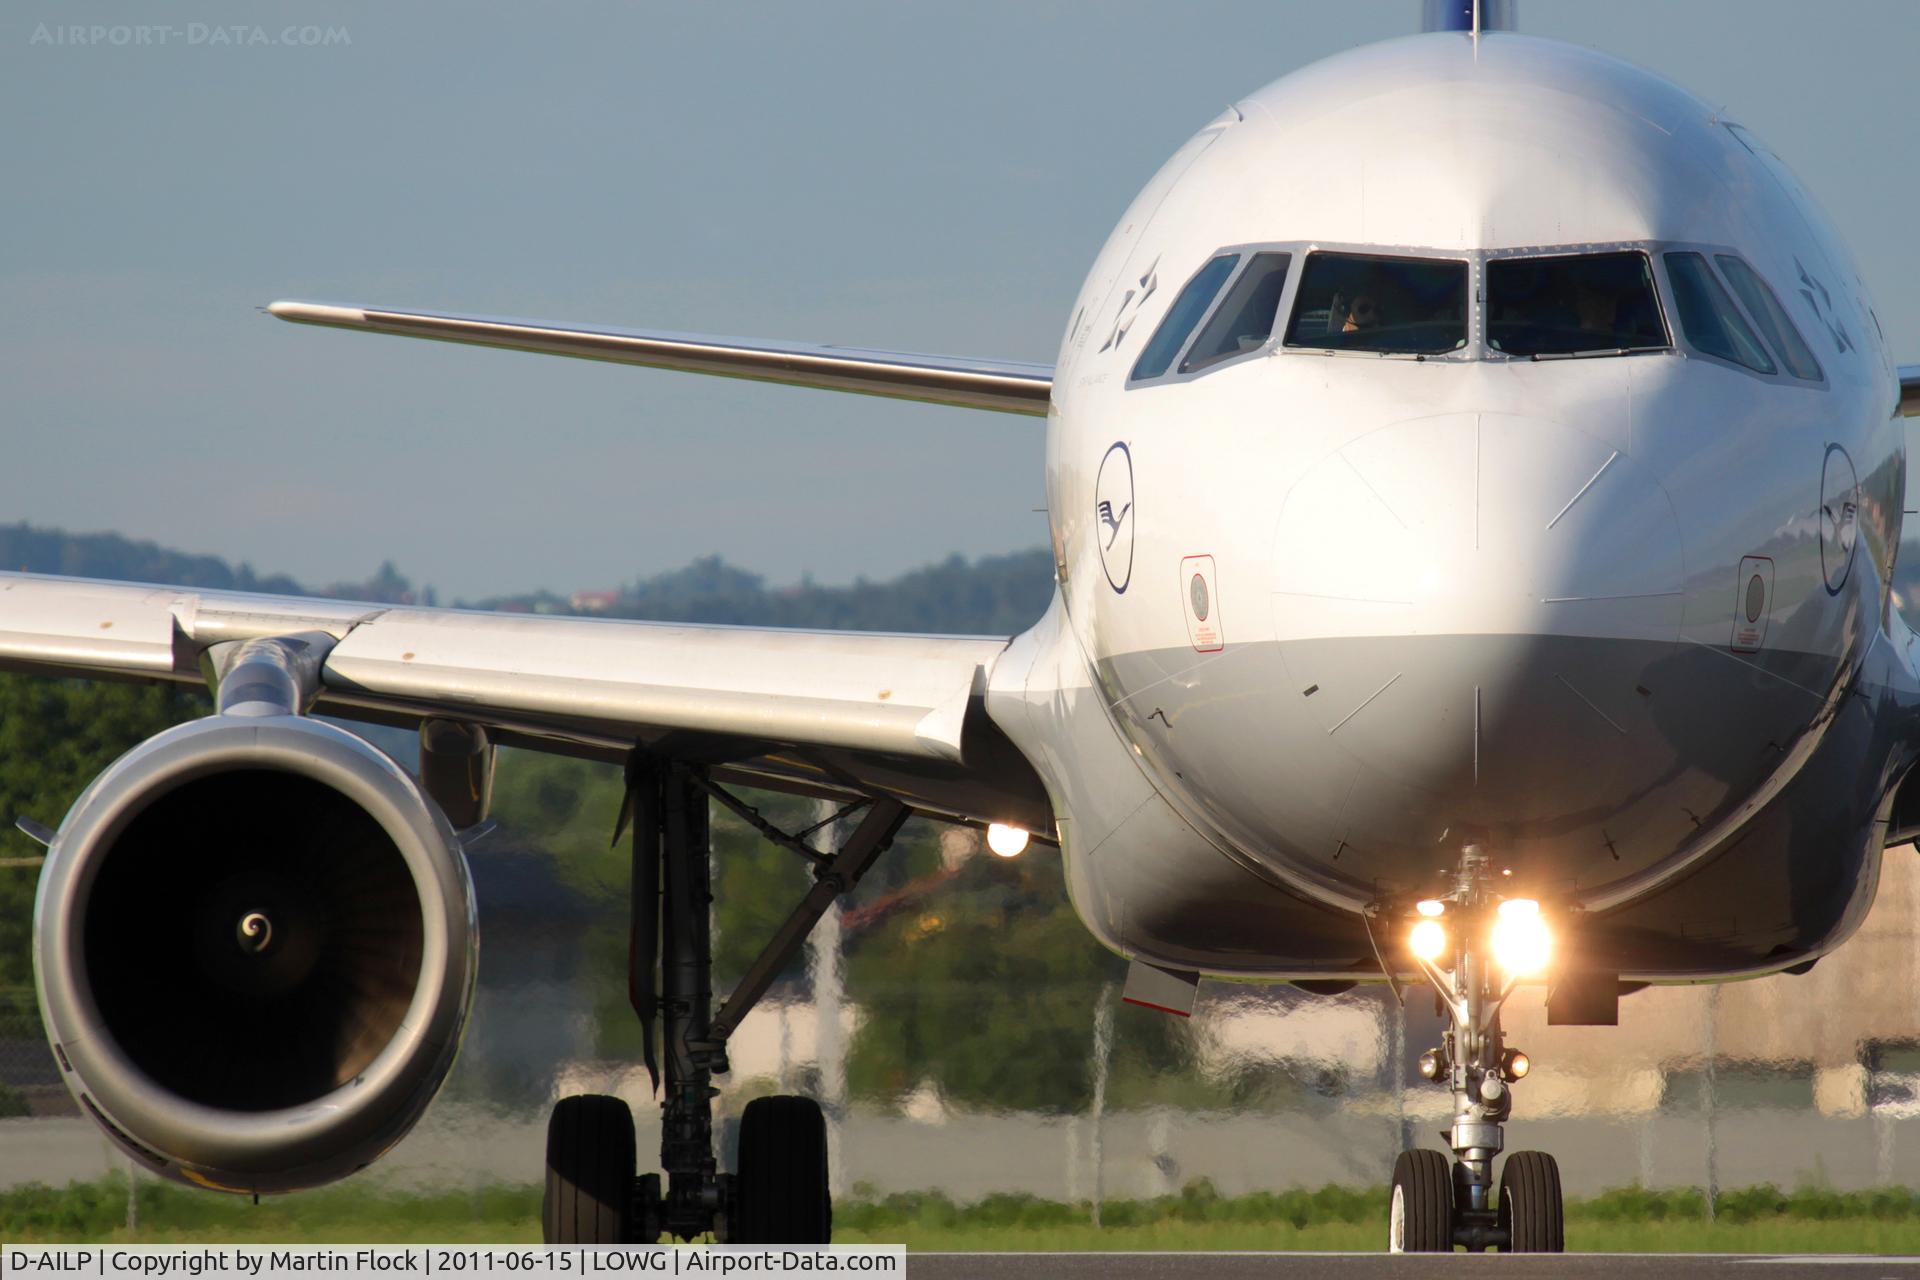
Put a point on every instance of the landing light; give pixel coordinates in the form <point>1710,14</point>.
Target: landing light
<point>1428,940</point>
<point>1521,942</point>
<point>1006,841</point>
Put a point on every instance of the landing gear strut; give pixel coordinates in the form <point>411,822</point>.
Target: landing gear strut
<point>778,1194</point>
<point>1434,1209</point>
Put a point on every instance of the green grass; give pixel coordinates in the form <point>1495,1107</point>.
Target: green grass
<point>1753,1220</point>
<point>97,1211</point>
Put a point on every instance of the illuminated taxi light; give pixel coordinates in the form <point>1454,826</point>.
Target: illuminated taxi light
<point>1517,1065</point>
<point>1428,940</point>
<point>1515,908</point>
<point>1006,841</point>
<point>1521,941</point>
<point>1430,907</point>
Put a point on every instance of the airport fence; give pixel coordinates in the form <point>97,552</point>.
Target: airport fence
<point>29,1078</point>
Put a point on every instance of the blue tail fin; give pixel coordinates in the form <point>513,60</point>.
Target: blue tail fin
<point>1467,15</point>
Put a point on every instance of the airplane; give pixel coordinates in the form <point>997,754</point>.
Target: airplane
<point>1479,557</point>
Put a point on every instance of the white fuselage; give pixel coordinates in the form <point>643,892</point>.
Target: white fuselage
<point>1469,596</point>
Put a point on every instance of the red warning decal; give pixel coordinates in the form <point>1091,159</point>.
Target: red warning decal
<point>1202,596</point>
<point>1752,604</point>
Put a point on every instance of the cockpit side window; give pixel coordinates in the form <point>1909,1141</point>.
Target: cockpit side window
<point>1356,302</point>
<point>1590,304</point>
<point>1245,320</point>
<point>1711,322</point>
<point>1775,325</point>
<point>1182,316</point>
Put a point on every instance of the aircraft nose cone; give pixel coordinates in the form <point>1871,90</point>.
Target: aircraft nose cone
<point>1469,605</point>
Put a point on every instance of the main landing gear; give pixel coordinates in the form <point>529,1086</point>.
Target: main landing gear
<point>778,1192</point>
<point>1490,944</point>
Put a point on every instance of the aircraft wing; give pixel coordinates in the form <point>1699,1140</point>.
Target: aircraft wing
<point>1005,386</point>
<point>1910,390</point>
<point>837,714</point>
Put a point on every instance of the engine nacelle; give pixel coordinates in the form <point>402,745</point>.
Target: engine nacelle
<point>255,947</point>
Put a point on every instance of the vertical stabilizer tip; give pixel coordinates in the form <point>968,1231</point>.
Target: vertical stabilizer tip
<point>1468,16</point>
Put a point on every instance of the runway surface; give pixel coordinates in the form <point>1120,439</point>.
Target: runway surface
<point>1350,1266</point>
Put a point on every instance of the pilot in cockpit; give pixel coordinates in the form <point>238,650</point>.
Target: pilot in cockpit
<point>1596,308</point>
<point>1361,314</point>
<point>1622,318</point>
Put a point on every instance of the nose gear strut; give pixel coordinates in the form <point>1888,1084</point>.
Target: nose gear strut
<point>1432,1212</point>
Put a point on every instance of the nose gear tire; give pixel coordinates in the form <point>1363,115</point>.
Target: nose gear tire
<point>1531,1209</point>
<point>1422,1220</point>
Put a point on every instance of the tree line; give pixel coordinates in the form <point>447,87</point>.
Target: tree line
<point>994,595</point>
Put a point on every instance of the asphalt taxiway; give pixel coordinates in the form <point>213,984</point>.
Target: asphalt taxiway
<point>1352,1266</point>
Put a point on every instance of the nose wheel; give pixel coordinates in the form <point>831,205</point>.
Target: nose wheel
<point>1421,1219</point>
<point>1531,1213</point>
<point>1488,944</point>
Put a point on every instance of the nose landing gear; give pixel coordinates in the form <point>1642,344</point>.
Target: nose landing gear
<point>1435,1209</point>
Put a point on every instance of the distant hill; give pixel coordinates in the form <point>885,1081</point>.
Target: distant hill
<point>108,555</point>
<point>995,595</point>
<point>992,595</point>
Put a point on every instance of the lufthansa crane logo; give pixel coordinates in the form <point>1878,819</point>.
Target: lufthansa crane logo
<point>1113,515</point>
<point>1839,517</point>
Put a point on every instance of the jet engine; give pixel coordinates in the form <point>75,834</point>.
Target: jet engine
<point>255,947</point>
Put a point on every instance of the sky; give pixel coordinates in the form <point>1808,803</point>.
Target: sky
<point>903,175</point>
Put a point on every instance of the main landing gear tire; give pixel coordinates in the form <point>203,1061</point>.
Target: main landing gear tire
<point>590,1170</point>
<point>1531,1210</point>
<point>780,1183</point>
<point>1422,1218</point>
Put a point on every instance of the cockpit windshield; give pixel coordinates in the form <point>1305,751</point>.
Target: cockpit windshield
<point>1356,302</point>
<point>1600,302</point>
<point>1503,304</point>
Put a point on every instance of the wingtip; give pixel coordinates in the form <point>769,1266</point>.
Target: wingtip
<point>315,312</point>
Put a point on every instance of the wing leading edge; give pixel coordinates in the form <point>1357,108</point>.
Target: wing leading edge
<point>1003,386</point>
<point>834,713</point>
